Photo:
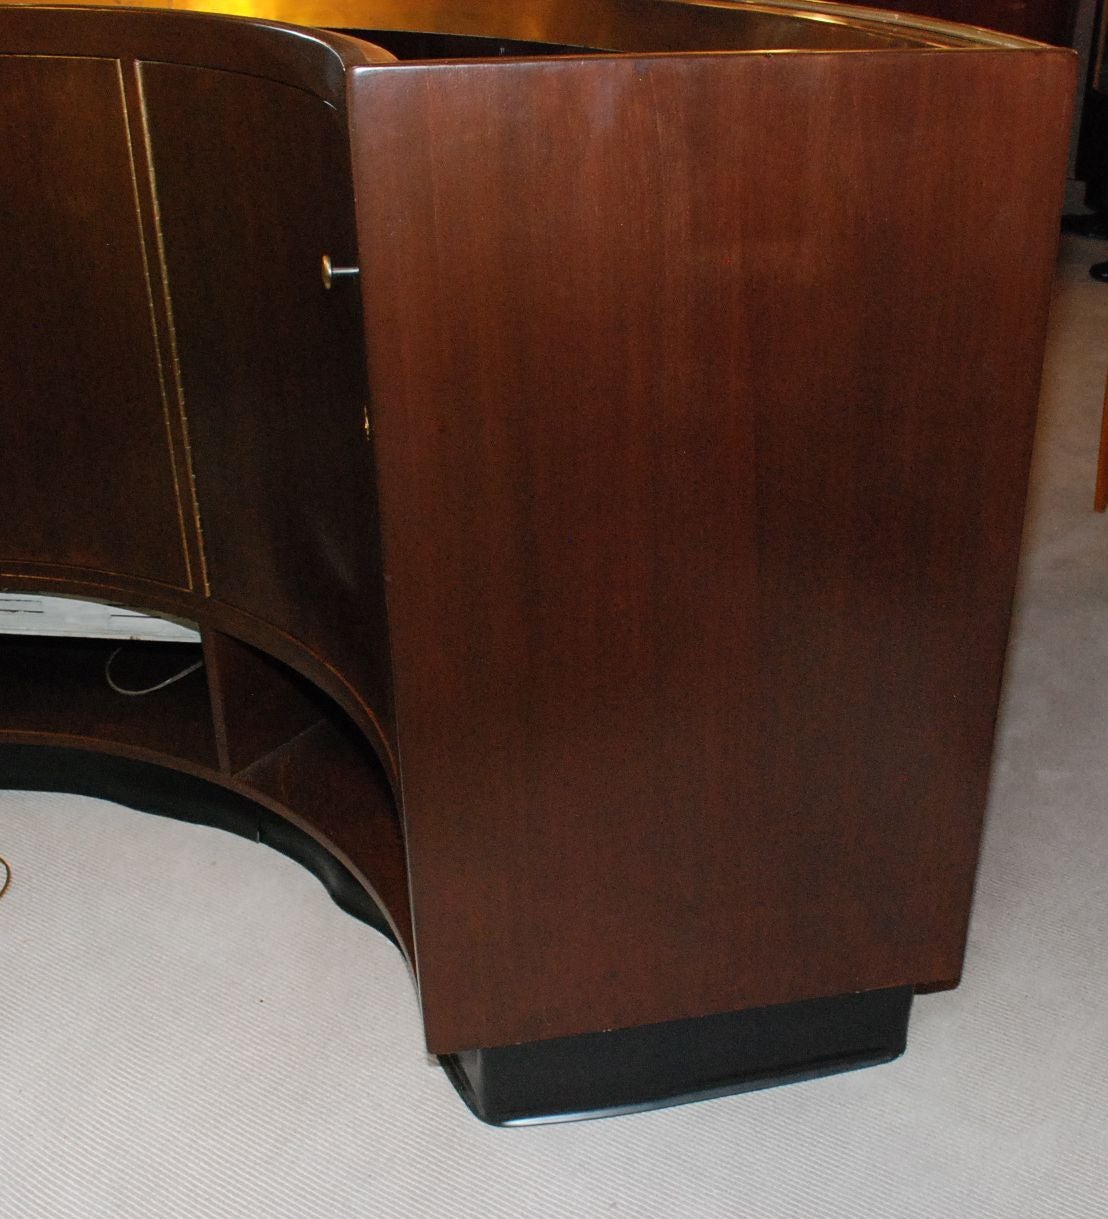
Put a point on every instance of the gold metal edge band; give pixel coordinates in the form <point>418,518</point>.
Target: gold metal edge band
<point>174,361</point>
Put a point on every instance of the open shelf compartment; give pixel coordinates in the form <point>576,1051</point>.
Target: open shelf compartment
<point>57,690</point>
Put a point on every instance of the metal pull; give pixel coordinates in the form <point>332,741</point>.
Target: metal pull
<point>329,272</point>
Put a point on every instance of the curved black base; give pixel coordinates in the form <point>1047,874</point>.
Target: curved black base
<point>169,793</point>
<point>650,1067</point>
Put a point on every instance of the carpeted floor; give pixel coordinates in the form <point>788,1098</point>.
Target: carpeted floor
<point>189,1027</point>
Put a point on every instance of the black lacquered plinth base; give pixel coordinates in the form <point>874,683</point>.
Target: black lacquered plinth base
<point>604,1074</point>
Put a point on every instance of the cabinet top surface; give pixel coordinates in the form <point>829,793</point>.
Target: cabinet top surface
<point>642,26</point>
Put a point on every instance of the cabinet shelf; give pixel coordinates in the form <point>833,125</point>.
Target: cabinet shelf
<point>286,743</point>
<point>333,781</point>
<point>55,691</point>
<point>321,775</point>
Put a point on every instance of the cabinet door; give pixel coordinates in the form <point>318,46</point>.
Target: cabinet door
<point>85,462</point>
<point>252,179</point>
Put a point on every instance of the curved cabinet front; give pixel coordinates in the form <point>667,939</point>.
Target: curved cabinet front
<point>90,480</point>
<point>186,414</point>
<point>272,375</point>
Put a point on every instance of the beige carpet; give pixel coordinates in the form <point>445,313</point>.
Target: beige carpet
<point>189,1027</point>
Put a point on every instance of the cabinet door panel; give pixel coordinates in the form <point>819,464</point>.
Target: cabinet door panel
<point>252,180</point>
<point>84,451</point>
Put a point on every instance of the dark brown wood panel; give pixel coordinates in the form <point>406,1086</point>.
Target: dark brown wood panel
<point>88,478</point>
<point>258,703</point>
<point>703,392</point>
<point>271,363</point>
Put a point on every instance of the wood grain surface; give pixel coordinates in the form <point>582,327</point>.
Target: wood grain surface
<point>703,390</point>
<point>77,331</point>
<point>271,363</point>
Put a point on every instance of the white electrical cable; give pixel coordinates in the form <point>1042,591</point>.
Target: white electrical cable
<point>149,689</point>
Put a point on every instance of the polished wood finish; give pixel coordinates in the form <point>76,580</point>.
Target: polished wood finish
<point>277,406</point>
<point>609,25</point>
<point>680,624</point>
<point>652,552</point>
<point>63,124</point>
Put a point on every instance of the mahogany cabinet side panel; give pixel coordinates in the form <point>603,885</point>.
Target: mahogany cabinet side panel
<point>703,390</point>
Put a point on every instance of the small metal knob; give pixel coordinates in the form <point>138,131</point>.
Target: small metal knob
<point>329,272</point>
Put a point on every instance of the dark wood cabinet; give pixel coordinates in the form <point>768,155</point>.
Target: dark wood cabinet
<point>606,590</point>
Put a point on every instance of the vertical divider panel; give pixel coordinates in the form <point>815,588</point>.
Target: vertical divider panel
<point>257,704</point>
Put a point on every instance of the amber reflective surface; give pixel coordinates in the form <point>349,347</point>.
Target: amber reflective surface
<point>620,25</point>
